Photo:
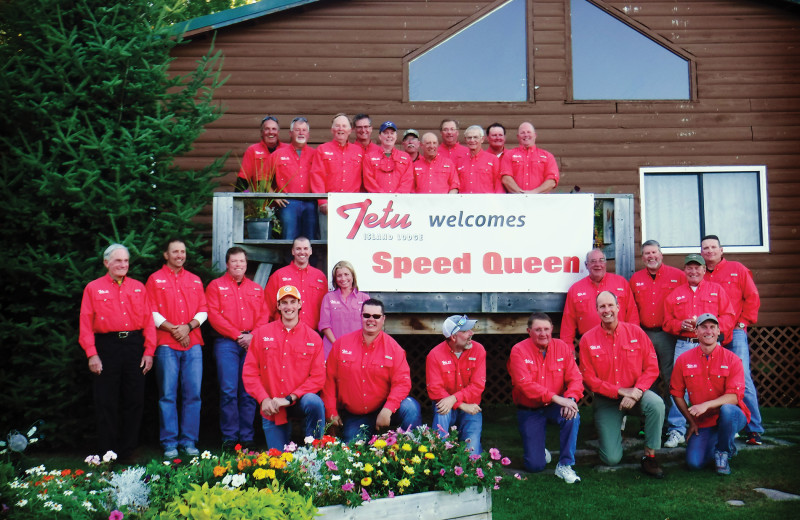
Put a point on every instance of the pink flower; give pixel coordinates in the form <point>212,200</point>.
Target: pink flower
<point>447,445</point>
<point>441,472</point>
<point>494,453</point>
<point>348,487</point>
<point>506,461</point>
<point>116,515</point>
<point>331,465</point>
<point>496,487</point>
<point>458,471</point>
<point>479,472</point>
<point>474,457</point>
<point>364,495</point>
<point>391,494</point>
<point>516,476</point>
<point>498,478</point>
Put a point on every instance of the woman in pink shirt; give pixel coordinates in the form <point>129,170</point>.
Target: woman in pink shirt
<point>341,308</point>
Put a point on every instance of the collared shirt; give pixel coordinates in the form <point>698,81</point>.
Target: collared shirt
<point>341,315</point>
<point>455,153</point>
<point>707,378</point>
<point>529,167</point>
<point>536,378</point>
<point>649,293</point>
<point>234,308</point>
<point>624,358</point>
<point>436,176</point>
<point>462,376</point>
<point>738,283</point>
<point>255,162</point>
<point>178,297</point>
<point>392,174</point>
<point>336,168</point>
<point>280,362</point>
<point>479,173</point>
<point>684,303</point>
<point>311,283</point>
<point>108,306</point>
<point>580,308</point>
<point>365,378</point>
<point>292,171</point>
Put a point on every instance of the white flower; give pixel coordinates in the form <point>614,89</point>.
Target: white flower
<point>167,463</point>
<point>238,480</point>
<point>93,492</point>
<point>93,460</point>
<point>205,455</point>
<point>109,456</point>
<point>348,471</point>
<point>226,480</point>
<point>128,489</point>
<point>88,506</point>
<point>194,461</point>
<point>34,440</point>
<point>22,503</point>
<point>307,484</point>
<point>68,492</point>
<point>336,477</point>
<point>309,439</point>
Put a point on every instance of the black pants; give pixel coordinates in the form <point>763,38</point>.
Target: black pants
<point>119,392</point>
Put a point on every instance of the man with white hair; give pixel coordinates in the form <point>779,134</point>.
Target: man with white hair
<point>526,168</point>
<point>478,171</point>
<point>434,173</point>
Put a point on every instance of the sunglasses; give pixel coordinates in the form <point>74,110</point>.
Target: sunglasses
<point>460,323</point>
<point>269,118</point>
<point>367,316</point>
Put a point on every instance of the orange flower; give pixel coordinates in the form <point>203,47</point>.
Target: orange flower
<point>48,478</point>
<point>66,472</point>
<point>219,471</point>
<point>277,462</point>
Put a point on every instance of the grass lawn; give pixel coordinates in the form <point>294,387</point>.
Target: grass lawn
<point>628,493</point>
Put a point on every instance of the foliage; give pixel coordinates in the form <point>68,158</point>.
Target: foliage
<point>193,8</point>
<point>90,124</point>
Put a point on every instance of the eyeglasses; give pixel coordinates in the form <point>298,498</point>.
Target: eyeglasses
<point>597,261</point>
<point>367,316</point>
<point>269,118</point>
<point>298,120</point>
<point>472,137</point>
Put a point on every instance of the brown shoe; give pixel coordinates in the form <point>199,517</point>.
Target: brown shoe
<point>651,467</point>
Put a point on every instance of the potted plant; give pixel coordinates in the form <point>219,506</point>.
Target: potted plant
<point>260,215</point>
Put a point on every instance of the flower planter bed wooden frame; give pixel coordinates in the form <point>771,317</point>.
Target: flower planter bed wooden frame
<point>432,505</point>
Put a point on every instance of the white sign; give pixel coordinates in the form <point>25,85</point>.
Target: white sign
<point>461,243</point>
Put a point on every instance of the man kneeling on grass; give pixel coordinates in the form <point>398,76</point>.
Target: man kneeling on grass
<point>714,378</point>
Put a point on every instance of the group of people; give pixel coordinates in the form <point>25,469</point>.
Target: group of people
<point>426,164</point>
<point>295,349</point>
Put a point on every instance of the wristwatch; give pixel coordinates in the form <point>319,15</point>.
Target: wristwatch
<point>741,325</point>
<point>290,399</point>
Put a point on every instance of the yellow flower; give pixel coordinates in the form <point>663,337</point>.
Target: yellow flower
<point>271,473</point>
<point>380,443</point>
<point>379,473</point>
<point>385,482</point>
<point>287,456</point>
<point>262,459</point>
<point>408,469</point>
<point>385,460</point>
<point>427,471</point>
<point>366,481</point>
<point>260,474</point>
<point>368,467</point>
<point>430,455</point>
<point>277,462</point>
<point>422,449</point>
<point>404,483</point>
<point>416,460</point>
<point>406,447</point>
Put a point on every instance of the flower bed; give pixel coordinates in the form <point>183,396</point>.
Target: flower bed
<point>431,505</point>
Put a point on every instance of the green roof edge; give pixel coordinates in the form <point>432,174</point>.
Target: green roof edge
<point>236,15</point>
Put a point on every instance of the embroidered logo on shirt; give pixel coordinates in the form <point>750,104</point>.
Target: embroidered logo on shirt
<point>267,338</point>
<point>137,290</point>
<point>560,359</point>
<point>689,365</point>
<point>529,362</point>
<point>310,344</point>
<point>472,359</point>
<point>634,341</point>
<point>723,366</point>
<point>346,352</point>
<point>595,347</point>
<point>101,291</point>
<point>447,362</point>
<point>388,357</point>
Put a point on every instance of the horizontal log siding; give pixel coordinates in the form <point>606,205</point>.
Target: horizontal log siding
<point>348,56</point>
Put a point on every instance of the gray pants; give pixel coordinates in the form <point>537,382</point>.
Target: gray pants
<point>608,420</point>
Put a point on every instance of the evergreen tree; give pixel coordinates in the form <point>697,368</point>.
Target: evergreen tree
<point>90,123</point>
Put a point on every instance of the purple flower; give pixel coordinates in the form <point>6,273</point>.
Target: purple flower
<point>479,472</point>
<point>364,495</point>
<point>116,515</point>
<point>506,461</point>
<point>447,445</point>
<point>458,471</point>
<point>348,487</point>
<point>441,472</point>
<point>291,447</point>
<point>498,478</point>
<point>391,494</point>
<point>494,453</point>
<point>496,487</point>
<point>474,457</point>
<point>331,465</point>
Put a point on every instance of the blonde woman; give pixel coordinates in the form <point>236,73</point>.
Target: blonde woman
<point>340,312</point>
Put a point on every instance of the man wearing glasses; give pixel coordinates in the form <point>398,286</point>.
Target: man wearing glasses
<point>455,372</point>
<point>387,169</point>
<point>254,162</point>
<point>368,380</point>
<point>363,126</point>
<point>478,171</point>
<point>450,146</point>
<point>579,309</point>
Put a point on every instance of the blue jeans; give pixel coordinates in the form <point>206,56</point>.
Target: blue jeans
<point>469,427</point>
<point>675,419</point>
<point>309,407</point>
<point>299,218</point>
<point>176,368</point>
<point>409,415</point>
<point>532,425</point>
<point>237,410</point>
<point>741,347</point>
<point>700,448</point>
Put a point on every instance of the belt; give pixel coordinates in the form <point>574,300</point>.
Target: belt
<point>689,340</point>
<point>122,334</point>
<point>653,329</point>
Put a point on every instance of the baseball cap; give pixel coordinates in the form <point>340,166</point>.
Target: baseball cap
<point>410,131</point>
<point>388,124</point>
<point>457,323</point>
<point>705,317</point>
<point>694,257</point>
<point>288,290</point>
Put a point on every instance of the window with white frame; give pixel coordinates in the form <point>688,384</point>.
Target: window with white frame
<point>679,205</point>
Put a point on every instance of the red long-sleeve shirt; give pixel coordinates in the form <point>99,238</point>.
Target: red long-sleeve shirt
<point>336,168</point>
<point>312,284</point>
<point>649,293</point>
<point>178,298</point>
<point>738,283</point>
<point>624,358</point>
<point>234,308</point>
<point>280,362</point>
<point>436,176</point>
<point>529,167</point>
<point>107,306</point>
<point>255,162</point>
<point>292,171</point>
<point>464,377</point>
<point>365,378</point>
<point>684,303</point>
<point>392,174</point>
<point>580,308</point>
<point>455,153</point>
<point>707,378</point>
<point>535,379</point>
<point>479,173</point>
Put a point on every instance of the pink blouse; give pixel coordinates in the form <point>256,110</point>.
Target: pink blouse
<point>340,315</point>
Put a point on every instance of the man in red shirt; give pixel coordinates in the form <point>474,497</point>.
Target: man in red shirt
<point>434,173</point>
<point>309,280</point>
<point>285,366</point>
<point>738,282</point>
<point>387,169</point>
<point>455,374</point>
<point>546,388</point>
<point>496,135</point>
<point>363,126</point>
<point>236,307</point>
<point>478,171</point>
<point>254,161</point>
<point>528,169</point>
<point>368,380</point>
<point>681,309</point>
<point>650,287</point>
<point>119,338</point>
<point>292,169</point>
<point>619,365</point>
<point>411,144</point>
<point>579,309</point>
<point>713,377</point>
<point>179,308</point>
<point>450,147</point>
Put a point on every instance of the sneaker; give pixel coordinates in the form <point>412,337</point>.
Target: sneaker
<point>753,439</point>
<point>674,437</point>
<point>624,422</point>
<point>651,467</point>
<point>721,460</point>
<point>567,474</point>
<point>547,456</point>
<point>190,450</point>
<point>171,453</point>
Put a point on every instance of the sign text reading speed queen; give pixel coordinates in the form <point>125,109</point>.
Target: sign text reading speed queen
<point>461,243</point>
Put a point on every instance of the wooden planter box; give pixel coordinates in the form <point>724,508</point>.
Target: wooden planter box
<point>432,505</point>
